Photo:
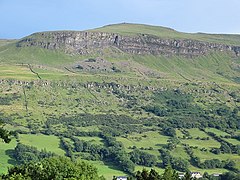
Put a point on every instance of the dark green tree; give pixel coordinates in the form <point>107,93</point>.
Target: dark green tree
<point>53,168</point>
<point>153,175</point>
<point>230,176</point>
<point>4,134</point>
<point>146,175</point>
<point>170,174</point>
<point>187,176</point>
<point>142,158</point>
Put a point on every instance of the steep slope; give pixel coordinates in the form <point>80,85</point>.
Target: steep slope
<point>148,51</point>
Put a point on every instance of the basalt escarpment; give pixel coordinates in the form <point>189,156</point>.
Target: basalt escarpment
<point>84,43</point>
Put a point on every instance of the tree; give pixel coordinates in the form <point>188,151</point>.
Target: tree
<point>179,164</point>
<point>230,175</point>
<point>170,174</point>
<point>225,148</point>
<point>4,134</point>
<point>153,175</point>
<point>187,176</point>
<point>169,131</point>
<point>53,168</point>
<point>24,154</point>
<point>146,175</point>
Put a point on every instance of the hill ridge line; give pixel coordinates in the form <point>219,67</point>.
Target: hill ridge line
<point>85,42</point>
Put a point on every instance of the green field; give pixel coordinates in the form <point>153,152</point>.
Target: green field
<point>107,170</point>
<point>179,152</point>
<point>93,140</point>
<point>216,131</point>
<point>39,141</point>
<point>145,140</point>
<point>5,155</point>
<point>208,144</point>
<point>232,141</point>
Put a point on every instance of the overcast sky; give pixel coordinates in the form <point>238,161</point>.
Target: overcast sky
<point>19,18</point>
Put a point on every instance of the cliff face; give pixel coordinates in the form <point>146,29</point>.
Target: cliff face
<point>88,42</point>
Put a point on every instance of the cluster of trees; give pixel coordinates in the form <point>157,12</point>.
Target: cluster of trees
<point>170,174</point>
<point>176,163</point>
<point>182,112</point>
<point>172,143</point>
<point>170,103</point>
<point>118,154</point>
<point>24,154</point>
<point>53,168</point>
<point>97,152</point>
<point>169,131</point>
<point>5,135</point>
<point>143,158</point>
<point>114,152</point>
<point>112,124</point>
<point>156,109</point>
<point>216,163</point>
<point>66,146</point>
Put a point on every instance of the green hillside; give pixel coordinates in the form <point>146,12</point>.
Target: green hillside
<point>4,42</point>
<point>163,32</point>
<point>120,111</point>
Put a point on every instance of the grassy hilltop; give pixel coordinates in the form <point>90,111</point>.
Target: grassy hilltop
<point>97,107</point>
<point>168,33</point>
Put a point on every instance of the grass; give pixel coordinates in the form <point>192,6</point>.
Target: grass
<point>147,139</point>
<point>14,128</point>
<point>106,169</point>
<point>194,132</point>
<point>4,42</point>
<point>179,134</point>
<point>217,132</point>
<point>5,155</point>
<point>179,152</point>
<point>232,141</point>
<point>15,72</point>
<point>93,140</point>
<point>209,171</point>
<point>214,67</point>
<point>208,144</point>
<point>33,55</point>
<point>88,128</point>
<point>39,141</point>
<point>50,66</point>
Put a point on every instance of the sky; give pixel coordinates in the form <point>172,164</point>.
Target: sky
<point>19,18</point>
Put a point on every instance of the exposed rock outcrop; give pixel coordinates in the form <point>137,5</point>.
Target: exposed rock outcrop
<point>74,42</point>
